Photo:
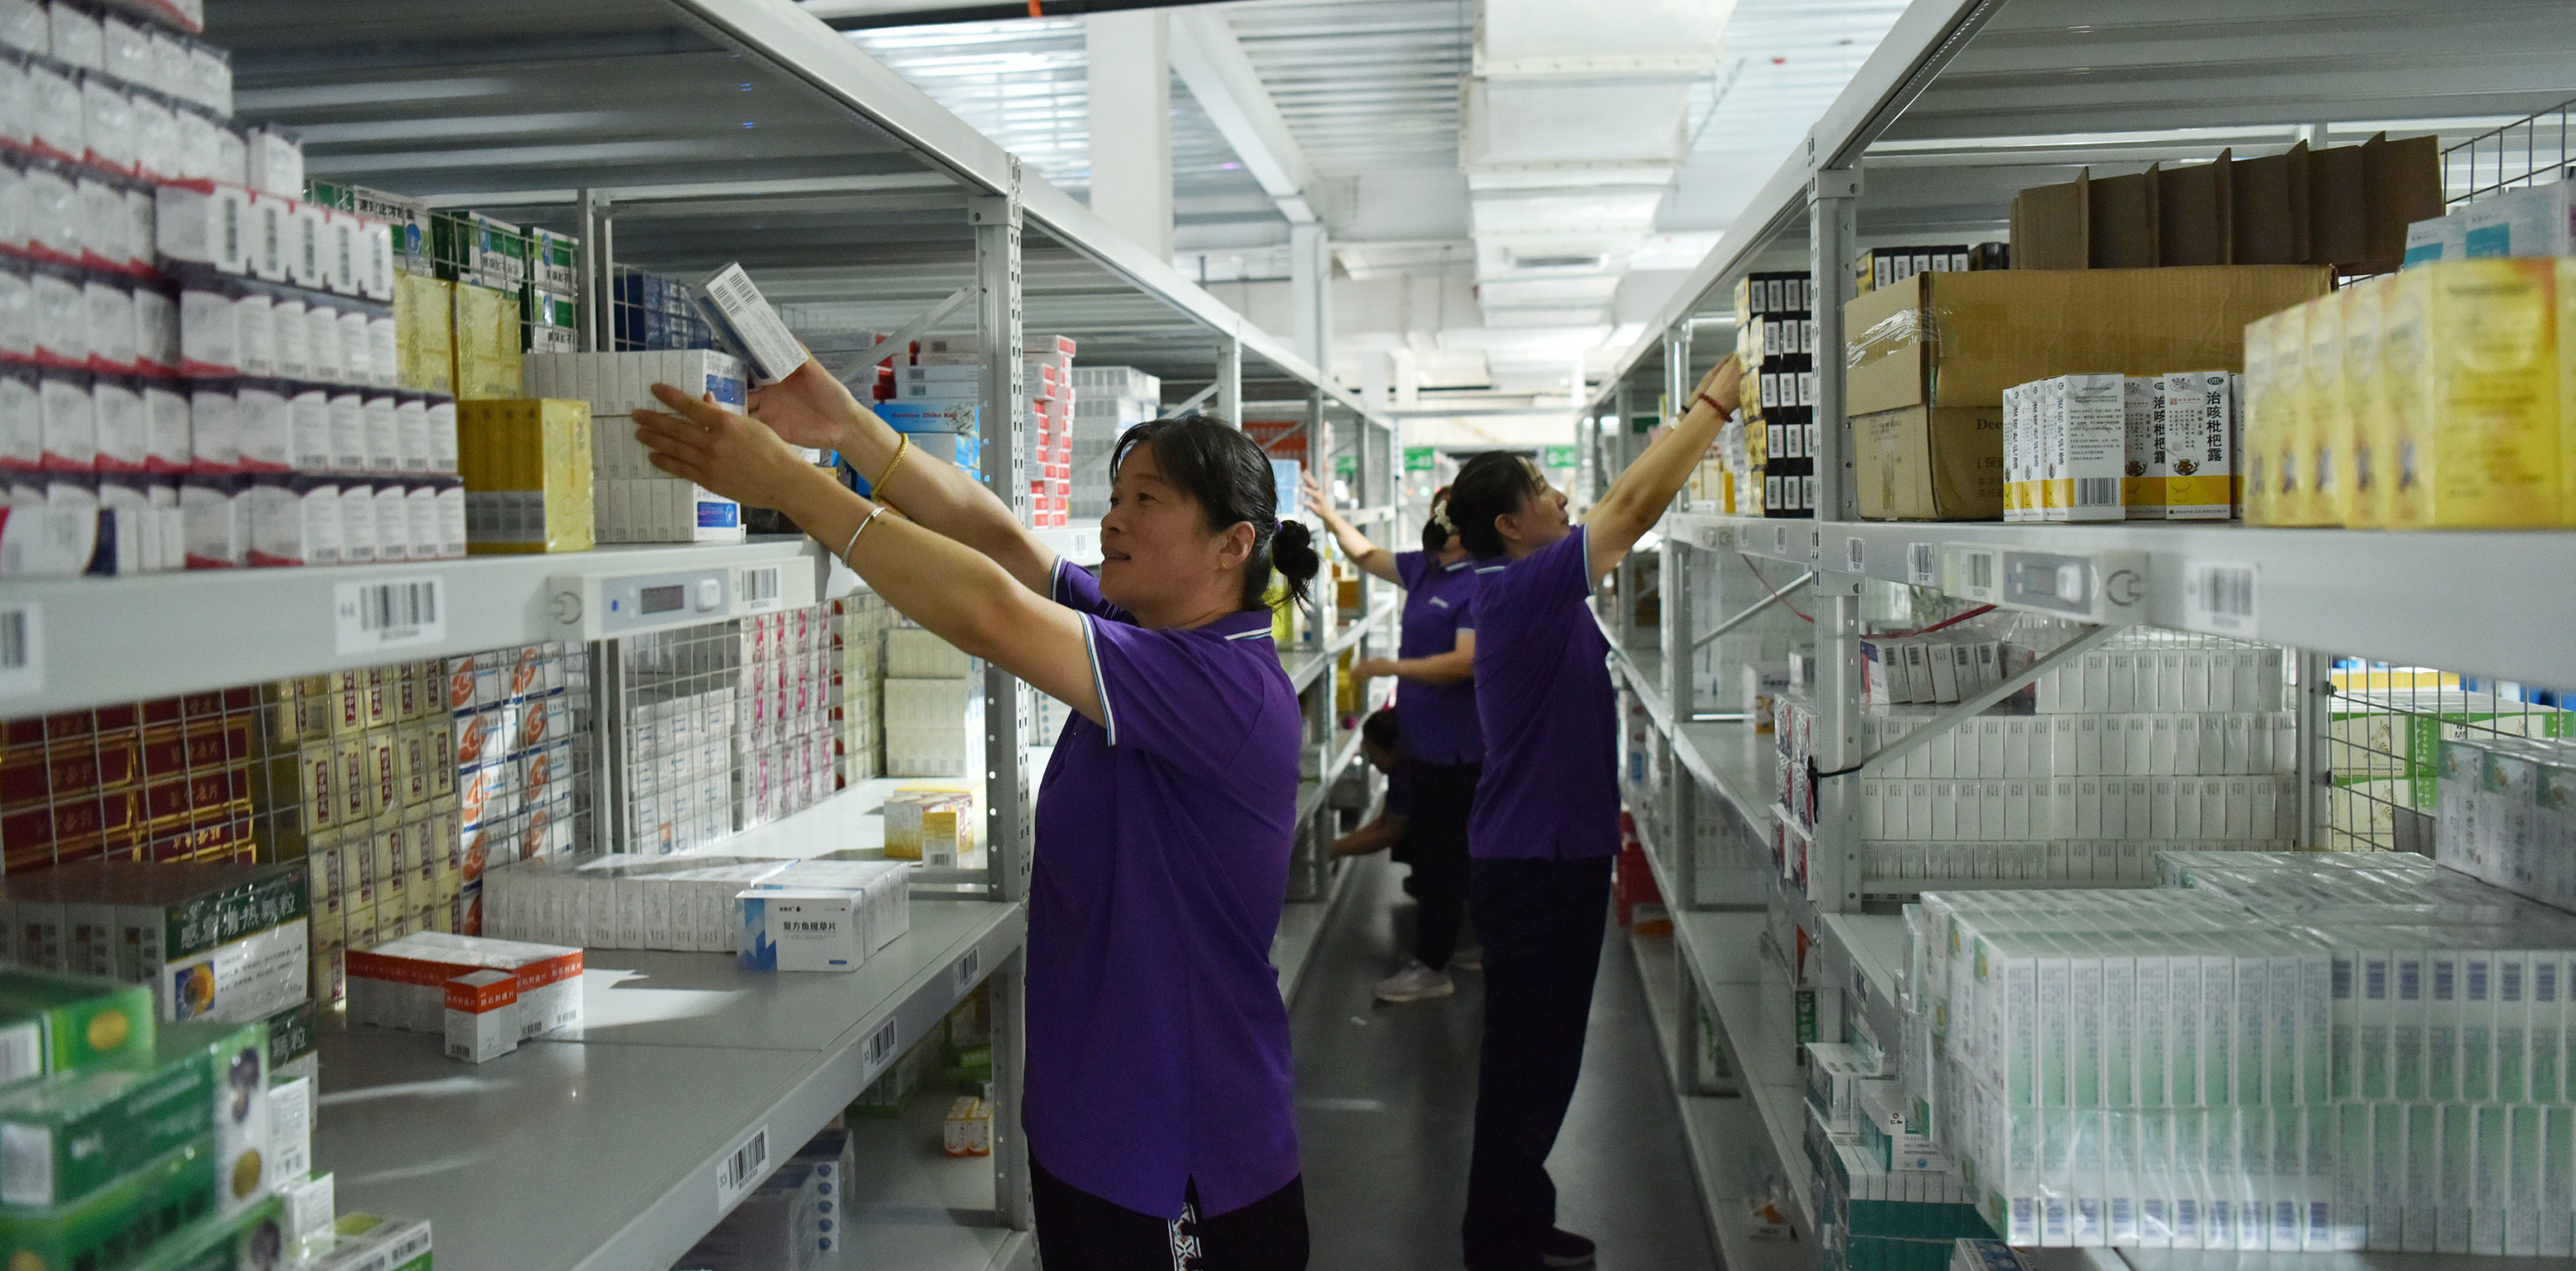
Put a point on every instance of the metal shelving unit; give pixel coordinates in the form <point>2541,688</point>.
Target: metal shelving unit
<point>676,136</point>
<point>1963,103</point>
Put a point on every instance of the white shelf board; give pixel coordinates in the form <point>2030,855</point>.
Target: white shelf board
<point>1755,1017</point>
<point>1301,928</point>
<point>1870,949</point>
<point>158,635</point>
<point>2195,1260</point>
<point>681,1058</point>
<point>2462,601</point>
<point>913,1205</point>
<point>1717,1131</point>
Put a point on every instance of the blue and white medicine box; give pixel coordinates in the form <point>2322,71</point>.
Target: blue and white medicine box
<point>807,930</point>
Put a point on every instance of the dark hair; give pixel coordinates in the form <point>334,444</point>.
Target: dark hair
<point>1380,729</point>
<point>1229,474</point>
<point>1435,536</point>
<point>1491,485</point>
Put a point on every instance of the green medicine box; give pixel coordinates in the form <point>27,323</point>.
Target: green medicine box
<point>56,1023</point>
<point>66,1137</point>
<point>116,1227</point>
<point>253,1240</point>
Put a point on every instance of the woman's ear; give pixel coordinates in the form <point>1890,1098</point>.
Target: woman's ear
<point>1235,547</point>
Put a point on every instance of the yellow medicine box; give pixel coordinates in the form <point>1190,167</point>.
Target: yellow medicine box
<point>527,469</point>
<point>2471,351</point>
<point>425,332</point>
<point>487,343</point>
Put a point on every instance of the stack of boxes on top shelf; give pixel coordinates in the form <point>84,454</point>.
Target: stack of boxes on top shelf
<point>205,372</point>
<point>2442,396</point>
<point>635,501</point>
<point>1775,342</point>
<point>938,402</point>
<point>139,1144</point>
<point>1108,401</point>
<point>2155,740</point>
<point>2282,1052</point>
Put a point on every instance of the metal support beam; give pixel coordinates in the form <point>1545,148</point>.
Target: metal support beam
<point>1969,708</point>
<point>1229,379</point>
<point>1310,294</point>
<point>598,319</point>
<point>1010,803</point>
<point>1221,77</point>
<point>1831,198</point>
<point>1755,609</point>
<point>1833,858</point>
<point>1678,381</point>
<point>1196,400</point>
<point>2315,768</point>
<point>893,345</point>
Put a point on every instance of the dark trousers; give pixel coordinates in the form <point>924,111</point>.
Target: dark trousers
<point>1542,924</point>
<point>1443,796</point>
<point>1078,1231</point>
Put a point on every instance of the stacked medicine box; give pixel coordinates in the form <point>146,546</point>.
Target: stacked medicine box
<point>135,1143</point>
<point>2157,740</point>
<point>1775,341</point>
<point>783,743</point>
<point>637,502</point>
<point>1108,401</point>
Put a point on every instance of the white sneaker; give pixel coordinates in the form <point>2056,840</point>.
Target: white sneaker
<point>1414,982</point>
<point>1471,958</point>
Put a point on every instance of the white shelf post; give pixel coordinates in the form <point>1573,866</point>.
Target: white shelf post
<point>1831,195</point>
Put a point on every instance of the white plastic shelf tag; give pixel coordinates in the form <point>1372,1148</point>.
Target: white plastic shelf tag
<point>388,613</point>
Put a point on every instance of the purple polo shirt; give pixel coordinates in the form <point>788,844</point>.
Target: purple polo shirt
<point>1550,789</point>
<point>1157,1041</point>
<point>1439,720</point>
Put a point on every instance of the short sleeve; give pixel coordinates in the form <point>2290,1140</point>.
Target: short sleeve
<point>1410,567</point>
<point>1466,602</point>
<point>1078,589</point>
<point>1558,572</point>
<point>1185,698</point>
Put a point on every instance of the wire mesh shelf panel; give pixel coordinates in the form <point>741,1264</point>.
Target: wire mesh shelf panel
<point>2526,152</point>
<point>2386,733</point>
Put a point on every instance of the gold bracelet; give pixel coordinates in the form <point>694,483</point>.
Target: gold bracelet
<point>877,487</point>
<point>864,523</point>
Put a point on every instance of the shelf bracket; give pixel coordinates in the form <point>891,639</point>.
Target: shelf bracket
<point>1970,708</point>
<point>892,345</point>
<point>1755,609</point>
<point>1196,400</point>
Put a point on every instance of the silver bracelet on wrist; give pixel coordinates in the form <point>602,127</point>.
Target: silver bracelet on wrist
<point>864,523</point>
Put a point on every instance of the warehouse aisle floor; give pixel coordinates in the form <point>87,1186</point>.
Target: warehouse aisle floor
<point>1386,1098</point>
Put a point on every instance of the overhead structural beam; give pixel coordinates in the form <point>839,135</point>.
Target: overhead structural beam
<point>850,15</point>
<point>1213,66</point>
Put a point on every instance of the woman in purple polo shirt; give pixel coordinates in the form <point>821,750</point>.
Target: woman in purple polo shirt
<point>1435,704</point>
<point>1158,1107</point>
<point>1546,820</point>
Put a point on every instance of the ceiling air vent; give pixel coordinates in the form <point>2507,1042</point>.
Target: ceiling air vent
<point>1594,261</point>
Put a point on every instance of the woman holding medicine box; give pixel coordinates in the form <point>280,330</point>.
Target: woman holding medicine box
<point>1546,821</point>
<point>1443,749</point>
<point>1158,1103</point>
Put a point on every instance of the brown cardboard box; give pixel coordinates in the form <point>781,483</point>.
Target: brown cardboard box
<point>1918,464</point>
<point>2347,206</point>
<point>1962,339</point>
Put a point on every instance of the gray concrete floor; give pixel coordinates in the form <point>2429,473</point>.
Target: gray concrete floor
<point>1386,1098</point>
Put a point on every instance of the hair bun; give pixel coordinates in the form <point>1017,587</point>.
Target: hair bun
<point>1292,552</point>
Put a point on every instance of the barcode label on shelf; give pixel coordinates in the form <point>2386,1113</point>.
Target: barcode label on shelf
<point>369,616</point>
<point>22,650</point>
<point>2218,597</point>
<point>1923,564</point>
<point>880,1050</point>
<point>745,1165</point>
<point>760,589</point>
<point>1972,574</point>
<point>1815,542</point>
<point>1858,555</point>
<point>968,968</point>
<point>1780,541</point>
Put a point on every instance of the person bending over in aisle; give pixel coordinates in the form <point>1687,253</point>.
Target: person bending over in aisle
<point>1158,1102</point>
<point>1382,747</point>
<point>1546,820</point>
<point>1435,662</point>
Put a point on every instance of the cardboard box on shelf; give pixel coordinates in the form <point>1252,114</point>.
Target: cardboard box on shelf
<point>2347,206</point>
<point>1923,464</point>
<point>1960,339</point>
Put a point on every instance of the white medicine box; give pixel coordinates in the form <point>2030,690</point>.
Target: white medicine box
<point>482,1015</point>
<point>801,930</point>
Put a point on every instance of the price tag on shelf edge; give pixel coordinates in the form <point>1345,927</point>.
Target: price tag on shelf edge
<point>388,613</point>
<point>2219,597</point>
<point>968,967</point>
<point>22,650</point>
<point>1923,564</point>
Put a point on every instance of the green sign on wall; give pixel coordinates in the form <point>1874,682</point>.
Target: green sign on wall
<point>1346,466</point>
<point>1561,457</point>
<point>1419,459</point>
